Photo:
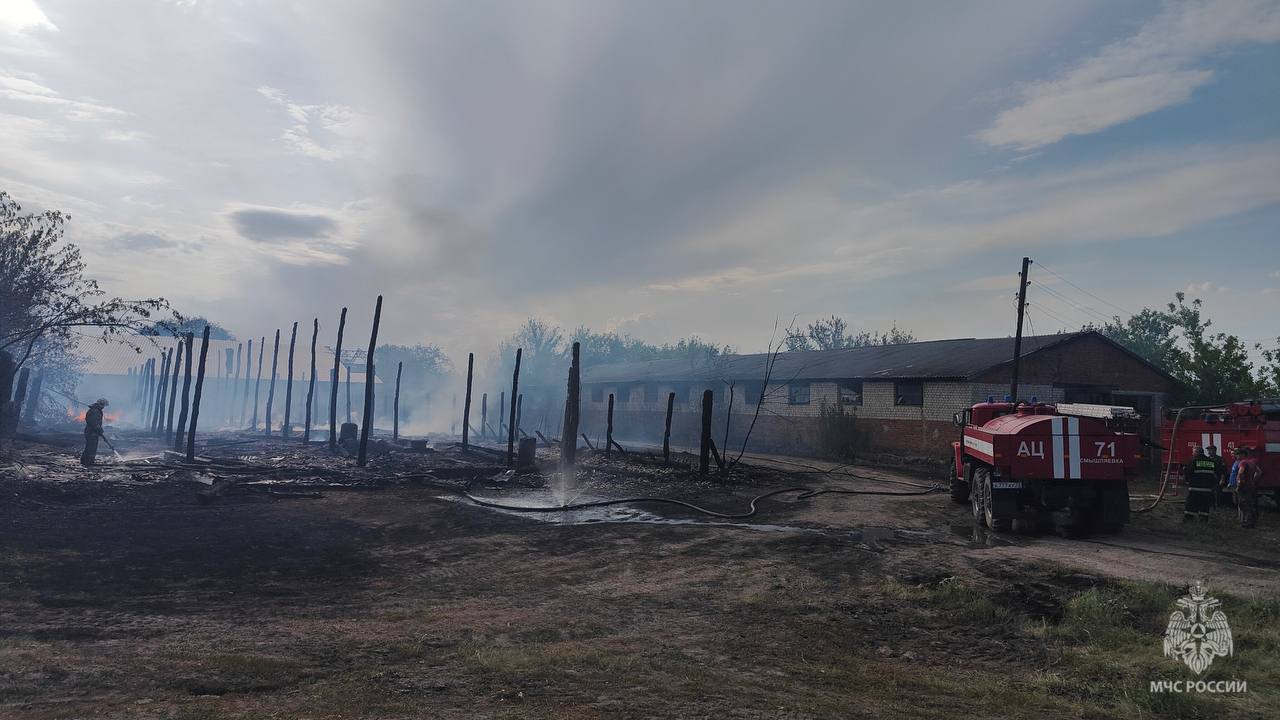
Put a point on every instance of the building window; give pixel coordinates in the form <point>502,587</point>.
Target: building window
<point>651,392</point>
<point>798,394</point>
<point>908,393</point>
<point>850,392</point>
<point>597,394</point>
<point>1085,394</point>
<point>751,392</point>
<point>624,393</point>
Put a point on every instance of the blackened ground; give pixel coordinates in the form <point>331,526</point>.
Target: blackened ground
<point>125,594</point>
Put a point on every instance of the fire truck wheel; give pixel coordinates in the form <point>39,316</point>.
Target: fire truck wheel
<point>977,495</point>
<point>959,489</point>
<point>1113,510</point>
<point>995,522</point>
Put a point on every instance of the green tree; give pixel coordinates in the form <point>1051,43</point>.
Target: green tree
<point>1213,366</point>
<point>612,347</point>
<point>1152,335</point>
<point>1269,371</point>
<point>46,301</point>
<point>422,362</point>
<point>194,325</point>
<point>833,334</point>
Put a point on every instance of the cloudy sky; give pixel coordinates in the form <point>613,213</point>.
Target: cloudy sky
<point>661,168</point>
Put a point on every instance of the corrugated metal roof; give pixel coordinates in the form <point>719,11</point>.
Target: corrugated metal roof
<point>937,359</point>
<point>119,357</point>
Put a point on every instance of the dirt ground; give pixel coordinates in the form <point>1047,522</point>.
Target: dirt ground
<point>140,590</point>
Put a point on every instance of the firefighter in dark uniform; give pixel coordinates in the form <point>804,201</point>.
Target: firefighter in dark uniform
<point>92,431</point>
<point>1221,498</point>
<point>1201,475</point>
<point>1247,478</point>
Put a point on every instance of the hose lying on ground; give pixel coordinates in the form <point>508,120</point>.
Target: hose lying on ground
<point>805,494</point>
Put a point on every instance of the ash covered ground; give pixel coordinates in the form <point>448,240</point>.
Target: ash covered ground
<point>272,579</point>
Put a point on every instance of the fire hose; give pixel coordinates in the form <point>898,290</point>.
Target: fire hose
<point>752,509</point>
<point>1168,460</point>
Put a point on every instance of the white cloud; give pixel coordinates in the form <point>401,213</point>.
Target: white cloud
<point>20,16</point>
<point>1152,70</point>
<point>1204,288</point>
<point>344,127</point>
<point>1142,196</point>
<point>124,136</point>
<point>28,90</point>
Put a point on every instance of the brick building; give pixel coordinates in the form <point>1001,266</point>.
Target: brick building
<point>895,399</point>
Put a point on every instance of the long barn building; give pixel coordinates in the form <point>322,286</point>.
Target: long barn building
<point>895,399</point>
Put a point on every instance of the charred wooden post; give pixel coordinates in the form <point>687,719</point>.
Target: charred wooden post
<point>666,432</point>
<point>146,391</point>
<point>33,400</point>
<point>244,394</point>
<point>157,422</point>
<point>511,424</point>
<point>349,393</point>
<point>173,393</point>
<point>466,402</point>
<point>365,427</point>
<point>526,457</point>
<point>235,385</point>
<point>144,397</point>
<point>519,412</point>
<point>20,390</point>
<point>180,434</point>
<point>288,386</point>
<point>153,393</point>
<point>311,384</point>
<point>140,401</point>
<point>271,385</point>
<point>257,386</point>
<point>195,401</point>
<point>608,429</point>
<point>157,401</point>
<point>704,452</point>
<point>484,413</point>
<point>715,455</point>
<point>138,385</point>
<point>569,433</point>
<point>502,428</point>
<point>13,410</point>
<point>395,406</point>
<point>333,385</point>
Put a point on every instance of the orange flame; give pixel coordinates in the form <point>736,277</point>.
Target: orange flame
<point>106,416</point>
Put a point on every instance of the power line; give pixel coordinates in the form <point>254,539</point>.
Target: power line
<point>1086,292</point>
<point>1083,309</point>
<point>1064,311</point>
<point>1065,324</point>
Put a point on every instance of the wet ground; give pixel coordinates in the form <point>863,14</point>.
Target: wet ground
<point>279,581</point>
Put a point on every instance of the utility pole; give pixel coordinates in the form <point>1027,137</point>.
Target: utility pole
<point>1017,338</point>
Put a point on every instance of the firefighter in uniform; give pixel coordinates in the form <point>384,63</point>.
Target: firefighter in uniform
<point>92,431</point>
<point>1248,475</point>
<point>1201,475</point>
<point>1220,496</point>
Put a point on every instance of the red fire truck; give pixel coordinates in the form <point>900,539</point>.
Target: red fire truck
<point>1035,463</point>
<point>1254,424</point>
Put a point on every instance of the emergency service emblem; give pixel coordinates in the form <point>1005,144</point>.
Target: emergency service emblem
<point>1199,634</point>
